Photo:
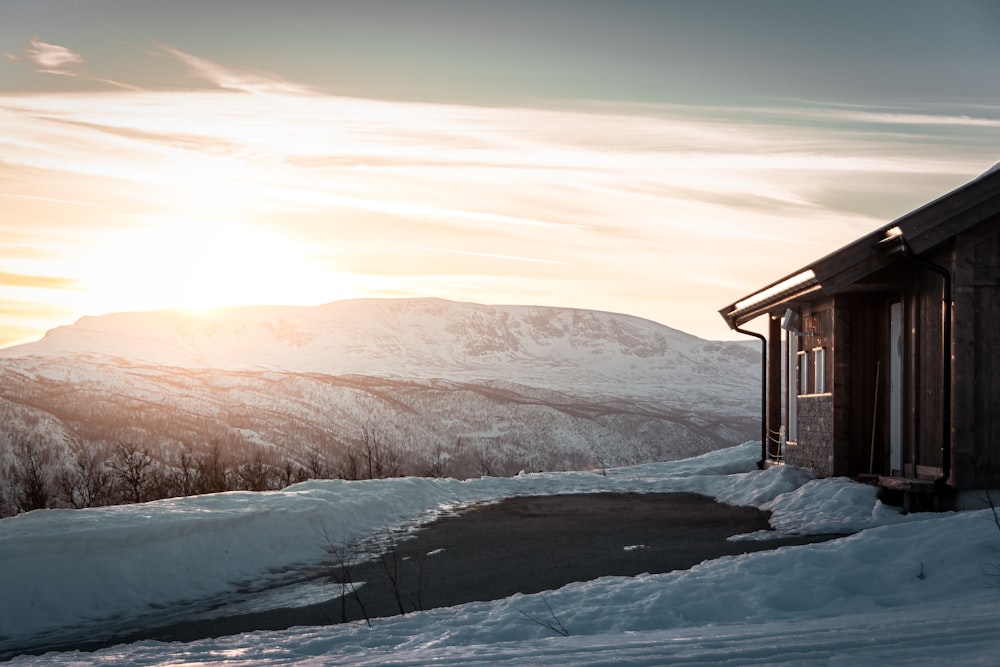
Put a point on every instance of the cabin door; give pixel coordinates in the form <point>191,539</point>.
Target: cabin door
<point>896,388</point>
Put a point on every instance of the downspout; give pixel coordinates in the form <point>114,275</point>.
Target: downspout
<point>946,344</point>
<point>763,394</point>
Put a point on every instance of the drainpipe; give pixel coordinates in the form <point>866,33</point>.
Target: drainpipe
<point>946,343</point>
<point>763,394</point>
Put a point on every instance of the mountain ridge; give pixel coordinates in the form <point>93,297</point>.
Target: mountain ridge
<point>416,338</point>
<point>444,388</point>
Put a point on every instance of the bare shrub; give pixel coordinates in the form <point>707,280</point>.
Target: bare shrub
<point>87,482</point>
<point>346,555</point>
<point>438,462</point>
<point>134,473</point>
<point>184,478</point>
<point>213,474</point>
<point>289,472</point>
<point>32,485</point>
<point>257,473</point>
<point>371,457</point>
<point>316,466</point>
<point>550,620</point>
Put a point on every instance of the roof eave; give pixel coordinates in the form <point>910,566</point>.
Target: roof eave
<point>923,229</point>
<point>770,298</point>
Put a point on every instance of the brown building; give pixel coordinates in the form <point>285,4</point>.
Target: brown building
<point>882,359</point>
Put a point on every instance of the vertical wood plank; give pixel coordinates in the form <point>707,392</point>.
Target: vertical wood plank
<point>966,395</point>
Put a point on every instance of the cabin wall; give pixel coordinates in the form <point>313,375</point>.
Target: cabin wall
<point>842,365</point>
<point>860,360</point>
<point>813,446</point>
<point>842,425</point>
<point>976,399</point>
<point>845,428</point>
<point>906,390</point>
<point>922,453</point>
<point>864,408</point>
<point>862,427</point>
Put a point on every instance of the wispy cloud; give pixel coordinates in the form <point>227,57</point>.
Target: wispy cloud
<point>492,255</point>
<point>60,61</point>
<point>51,57</point>
<point>58,200</point>
<point>660,211</point>
<point>41,282</point>
<point>976,116</point>
<point>229,79</point>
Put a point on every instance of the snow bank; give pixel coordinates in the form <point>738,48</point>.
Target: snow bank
<point>887,589</point>
<point>833,505</point>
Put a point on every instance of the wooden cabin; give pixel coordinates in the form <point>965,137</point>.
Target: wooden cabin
<point>882,359</point>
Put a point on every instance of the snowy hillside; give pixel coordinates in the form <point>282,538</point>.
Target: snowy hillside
<point>556,348</point>
<point>916,590</point>
<point>455,388</point>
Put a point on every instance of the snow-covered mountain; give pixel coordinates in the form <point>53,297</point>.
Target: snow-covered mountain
<point>595,353</point>
<point>459,388</point>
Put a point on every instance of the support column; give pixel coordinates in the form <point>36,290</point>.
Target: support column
<point>773,382</point>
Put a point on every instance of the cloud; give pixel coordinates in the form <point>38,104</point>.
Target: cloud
<point>51,57</point>
<point>60,61</point>
<point>229,79</point>
<point>890,117</point>
<point>41,282</point>
<point>660,211</point>
<point>59,200</point>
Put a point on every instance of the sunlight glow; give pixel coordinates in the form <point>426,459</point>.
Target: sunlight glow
<point>201,264</point>
<point>263,192</point>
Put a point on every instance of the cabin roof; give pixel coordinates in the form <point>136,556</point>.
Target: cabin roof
<point>922,230</point>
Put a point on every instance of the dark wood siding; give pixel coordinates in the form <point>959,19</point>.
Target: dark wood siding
<point>841,362</point>
<point>986,463</point>
<point>869,390</point>
<point>861,384</point>
<point>977,358</point>
<point>926,376</point>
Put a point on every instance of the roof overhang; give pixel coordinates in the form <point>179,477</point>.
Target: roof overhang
<point>795,286</point>
<point>842,270</point>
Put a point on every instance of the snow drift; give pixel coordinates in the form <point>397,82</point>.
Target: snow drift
<point>904,587</point>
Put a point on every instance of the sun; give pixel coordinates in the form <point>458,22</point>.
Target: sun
<point>200,264</point>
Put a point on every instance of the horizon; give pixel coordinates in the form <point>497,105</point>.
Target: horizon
<point>234,313</point>
<point>218,313</point>
<point>658,161</point>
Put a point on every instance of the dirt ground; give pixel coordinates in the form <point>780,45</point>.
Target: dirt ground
<point>517,545</point>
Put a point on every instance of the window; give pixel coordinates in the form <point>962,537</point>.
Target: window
<point>819,370</point>
<point>802,361</point>
<point>810,371</point>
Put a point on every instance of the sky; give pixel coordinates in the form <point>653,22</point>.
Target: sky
<point>660,159</point>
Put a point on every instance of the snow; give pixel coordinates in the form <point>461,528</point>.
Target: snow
<point>916,588</point>
<point>553,348</point>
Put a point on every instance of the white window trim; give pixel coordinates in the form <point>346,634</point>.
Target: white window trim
<point>802,367</point>
<point>819,370</point>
